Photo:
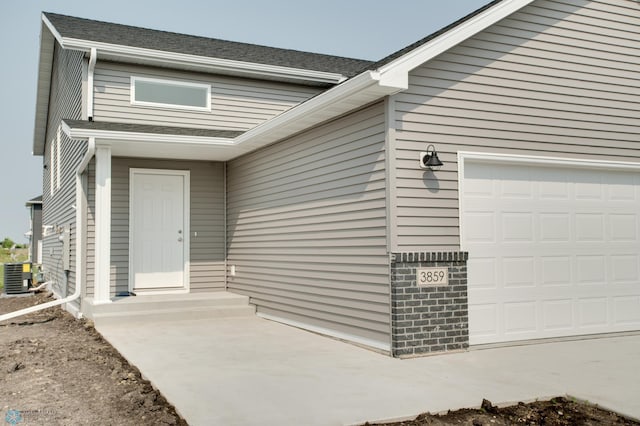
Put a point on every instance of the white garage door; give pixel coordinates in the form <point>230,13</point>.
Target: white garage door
<point>553,251</point>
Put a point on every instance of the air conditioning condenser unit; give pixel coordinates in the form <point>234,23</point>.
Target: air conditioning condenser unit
<point>17,277</point>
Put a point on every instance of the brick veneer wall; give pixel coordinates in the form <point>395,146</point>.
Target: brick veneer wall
<point>427,320</point>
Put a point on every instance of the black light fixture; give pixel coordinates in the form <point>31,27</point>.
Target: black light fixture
<point>429,159</point>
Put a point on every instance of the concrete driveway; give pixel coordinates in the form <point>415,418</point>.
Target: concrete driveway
<point>250,371</point>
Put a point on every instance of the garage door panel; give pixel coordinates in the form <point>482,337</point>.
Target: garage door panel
<point>589,227</point>
<point>517,226</point>
<point>593,313</point>
<point>483,320</point>
<point>623,227</point>
<point>557,314</point>
<point>588,186</point>
<point>481,226</point>
<point>624,268</point>
<point>554,227</point>
<point>520,318</point>
<point>590,269</point>
<point>481,184</point>
<point>518,271</point>
<point>552,251</point>
<point>485,270</point>
<point>521,188</point>
<point>624,188</point>
<point>534,294</point>
<point>627,311</point>
<point>555,270</point>
<point>555,188</point>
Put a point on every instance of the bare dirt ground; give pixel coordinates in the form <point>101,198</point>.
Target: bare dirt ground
<point>558,411</point>
<point>56,370</point>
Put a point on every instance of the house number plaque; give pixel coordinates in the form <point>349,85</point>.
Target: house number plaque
<point>432,276</point>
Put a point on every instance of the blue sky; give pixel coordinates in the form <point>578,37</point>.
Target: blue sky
<point>361,29</point>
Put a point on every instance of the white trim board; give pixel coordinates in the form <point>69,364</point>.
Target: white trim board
<point>102,219</point>
<point>396,72</point>
<point>542,160</point>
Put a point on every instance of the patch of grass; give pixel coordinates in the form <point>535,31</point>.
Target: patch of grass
<point>5,257</point>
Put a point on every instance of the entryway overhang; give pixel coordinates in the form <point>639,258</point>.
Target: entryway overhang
<point>139,140</point>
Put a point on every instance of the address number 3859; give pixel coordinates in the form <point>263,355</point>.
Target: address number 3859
<point>432,276</point>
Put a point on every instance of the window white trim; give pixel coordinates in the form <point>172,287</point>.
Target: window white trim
<point>52,165</point>
<point>58,161</point>
<point>206,87</point>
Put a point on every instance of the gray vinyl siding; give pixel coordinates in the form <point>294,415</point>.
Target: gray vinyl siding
<point>207,263</point>
<point>557,78</point>
<point>306,227</point>
<point>90,265</point>
<point>236,104</point>
<point>58,207</point>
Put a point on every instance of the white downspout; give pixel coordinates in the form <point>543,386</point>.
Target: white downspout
<point>92,66</point>
<point>91,149</point>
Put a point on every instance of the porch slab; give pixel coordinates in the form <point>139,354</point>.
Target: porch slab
<point>168,307</point>
<point>251,371</point>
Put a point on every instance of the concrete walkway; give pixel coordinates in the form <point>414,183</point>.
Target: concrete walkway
<point>250,371</point>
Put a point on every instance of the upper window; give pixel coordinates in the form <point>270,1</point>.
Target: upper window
<point>170,94</point>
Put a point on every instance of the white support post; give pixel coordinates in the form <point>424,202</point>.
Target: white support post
<point>102,290</point>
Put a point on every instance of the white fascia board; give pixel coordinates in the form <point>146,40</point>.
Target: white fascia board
<point>316,109</point>
<point>203,62</point>
<point>143,137</point>
<point>396,72</point>
<point>51,28</point>
<point>45,62</point>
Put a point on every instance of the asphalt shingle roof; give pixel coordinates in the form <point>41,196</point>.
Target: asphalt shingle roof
<point>87,29</point>
<point>151,129</point>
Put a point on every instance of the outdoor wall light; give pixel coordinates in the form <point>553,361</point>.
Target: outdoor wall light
<point>429,159</point>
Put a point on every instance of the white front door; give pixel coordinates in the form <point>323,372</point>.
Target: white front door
<point>158,245</point>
